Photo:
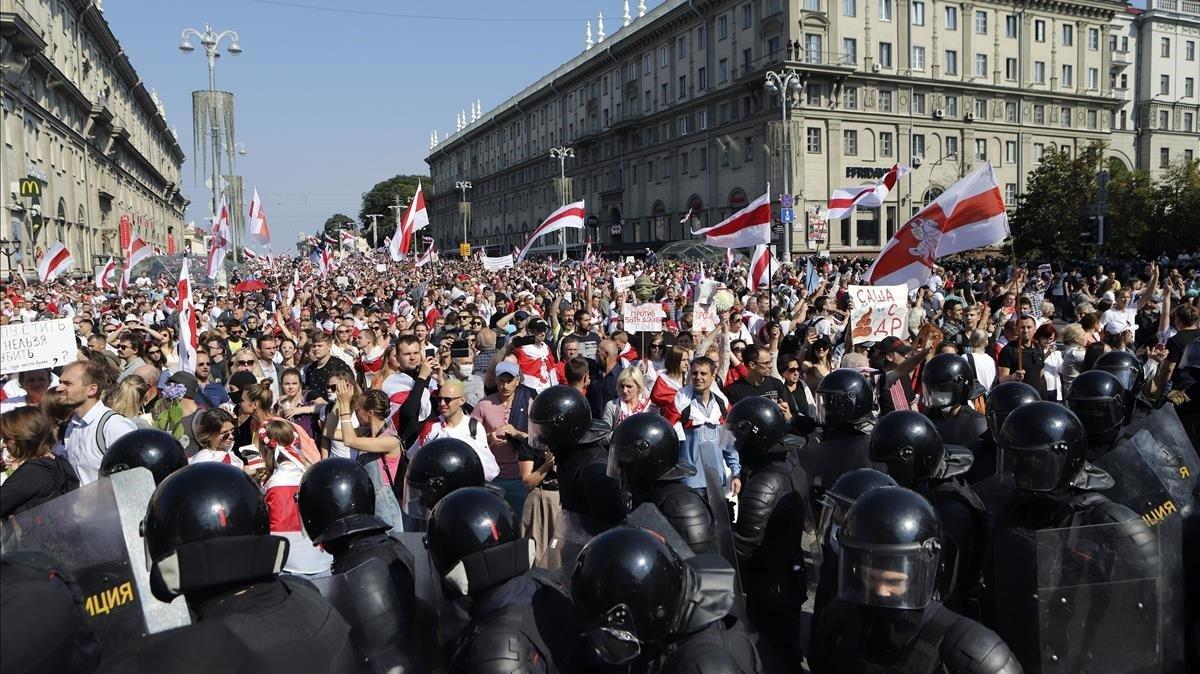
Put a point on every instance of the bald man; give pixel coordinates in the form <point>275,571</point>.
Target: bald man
<point>452,422</point>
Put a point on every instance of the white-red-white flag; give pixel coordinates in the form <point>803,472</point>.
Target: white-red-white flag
<point>427,257</point>
<point>748,227</point>
<point>568,217</point>
<point>325,262</point>
<point>189,339</point>
<point>844,199</point>
<point>219,245</point>
<point>103,274</point>
<point>56,262</point>
<point>762,267</point>
<point>258,219</point>
<point>587,256</point>
<point>969,214</point>
<point>416,218</point>
<point>137,251</point>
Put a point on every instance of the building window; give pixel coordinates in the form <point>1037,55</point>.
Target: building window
<point>723,71</point>
<point>650,170</point>
<point>701,37</point>
<point>664,56</point>
<point>918,145</point>
<point>724,154</point>
<point>850,142</point>
<point>747,59</point>
<point>1039,72</point>
<point>885,10</point>
<point>951,62</point>
<point>1164,157</point>
<point>1039,114</point>
<point>952,146</point>
<point>1039,152</point>
<point>682,86</point>
<point>1010,25</point>
<point>703,116</point>
<point>724,113</point>
<point>722,27</point>
<point>773,48</point>
<point>747,16</point>
<point>952,106</point>
<point>951,22</point>
<point>918,58</point>
<point>1010,69</point>
<point>885,101</point>
<point>1064,116</point>
<point>1189,87</point>
<point>918,104</point>
<point>1039,30</point>
<point>814,44</point>
<point>917,11</point>
<point>1010,193</point>
<point>682,125</point>
<point>885,54</point>
<point>749,149</point>
<point>849,7</point>
<point>683,163</point>
<point>1164,84</point>
<point>850,97</point>
<point>1068,35</point>
<point>980,108</point>
<point>1187,121</point>
<point>1092,119</point>
<point>813,94</point>
<point>703,159</point>
<point>814,140</point>
<point>885,143</point>
<point>1093,78</point>
<point>702,79</point>
<point>1067,75</point>
<point>980,149</point>
<point>681,47</point>
<point>1010,112</point>
<point>1010,151</point>
<point>850,49</point>
<point>1124,119</point>
<point>1189,51</point>
<point>981,21</point>
<point>664,99</point>
<point>1188,156</point>
<point>981,65</point>
<point>1164,120</point>
<point>1094,39</point>
<point>648,101</point>
<point>1165,52</point>
<point>812,5</point>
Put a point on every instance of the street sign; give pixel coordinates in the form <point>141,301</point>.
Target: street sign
<point>787,214</point>
<point>777,228</point>
<point>785,201</point>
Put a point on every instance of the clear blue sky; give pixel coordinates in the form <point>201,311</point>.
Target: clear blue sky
<point>330,102</point>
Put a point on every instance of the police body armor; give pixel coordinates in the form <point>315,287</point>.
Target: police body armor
<point>381,621</point>
<point>687,512</point>
<point>967,429</point>
<point>584,486</point>
<point>839,452</point>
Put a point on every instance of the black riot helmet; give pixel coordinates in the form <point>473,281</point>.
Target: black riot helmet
<point>337,499</point>
<point>1128,370</point>
<point>1190,360</point>
<point>890,550</point>
<point>149,448</point>
<point>558,418</point>
<point>629,590</point>
<point>1099,400</point>
<point>439,467</point>
<point>1042,446</point>
<point>757,426</point>
<point>1003,399</point>
<point>946,381</point>
<point>207,526</point>
<point>475,542</point>
<point>645,449</point>
<point>847,489</point>
<point>844,398</point>
<point>909,443</point>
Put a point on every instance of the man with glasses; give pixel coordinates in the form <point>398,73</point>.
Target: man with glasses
<point>215,346</point>
<point>760,366</point>
<point>318,372</point>
<point>235,339</point>
<point>208,389</point>
<point>130,348</point>
<point>451,422</point>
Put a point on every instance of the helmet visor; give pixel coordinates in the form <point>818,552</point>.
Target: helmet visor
<point>1126,375</point>
<point>541,435</point>
<point>889,578</point>
<point>834,407</point>
<point>1099,414</point>
<point>614,640</point>
<point>939,395</point>
<point>734,434</point>
<point>1031,468</point>
<point>419,499</point>
<point>833,516</point>
<point>613,469</point>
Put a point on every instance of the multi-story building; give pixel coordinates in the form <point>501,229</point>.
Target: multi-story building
<point>669,116</point>
<point>1122,78</point>
<point>1168,75</point>
<point>85,143</point>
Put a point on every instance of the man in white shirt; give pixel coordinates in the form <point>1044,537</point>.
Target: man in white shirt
<point>93,427</point>
<point>452,423</point>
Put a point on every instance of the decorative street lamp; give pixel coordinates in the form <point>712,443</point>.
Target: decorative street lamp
<point>784,83</point>
<point>562,153</point>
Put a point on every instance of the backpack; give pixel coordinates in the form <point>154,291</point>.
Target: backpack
<point>101,443</point>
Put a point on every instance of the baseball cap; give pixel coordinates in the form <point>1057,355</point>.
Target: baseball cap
<point>537,325</point>
<point>1119,326</point>
<point>507,367</point>
<point>894,345</point>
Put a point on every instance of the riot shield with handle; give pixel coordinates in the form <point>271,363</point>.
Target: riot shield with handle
<point>438,619</point>
<point>1107,600</point>
<point>381,628</point>
<point>1154,476</point>
<point>94,532</point>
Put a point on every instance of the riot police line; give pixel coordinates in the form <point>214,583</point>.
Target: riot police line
<point>859,544</point>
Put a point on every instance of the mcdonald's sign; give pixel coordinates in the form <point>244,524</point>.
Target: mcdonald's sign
<point>31,187</point>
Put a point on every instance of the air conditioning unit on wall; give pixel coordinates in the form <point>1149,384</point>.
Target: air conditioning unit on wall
<point>938,113</point>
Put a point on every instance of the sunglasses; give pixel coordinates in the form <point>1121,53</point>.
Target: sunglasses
<point>243,362</point>
<point>443,399</point>
<point>226,434</point>
<point>656,346</point>
<point>792,369</point>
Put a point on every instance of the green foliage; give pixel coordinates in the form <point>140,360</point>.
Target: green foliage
<point>1178,199</point>
<point>337,222</point>
<point>170,420</point>
<point>1048,219</point>
<point>383,195</point>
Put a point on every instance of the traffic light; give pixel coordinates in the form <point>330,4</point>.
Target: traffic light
<point>1090,231</point>
<point>464,250</point>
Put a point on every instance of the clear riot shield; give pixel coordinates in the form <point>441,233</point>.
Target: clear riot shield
<point>1154,478</point>
<point>1109,601</point>
<point>648,517</point>
<point>94,532</point>
<point>367,598</point>
<point>439,620</point>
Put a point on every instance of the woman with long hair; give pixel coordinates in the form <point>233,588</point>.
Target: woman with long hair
<point>284,464</point>
<point>379,448</point>
<point>295,404</point>
<point>27,434</point>
<point>257,408</point>
<point>818,362</point>
<point>129,399</point>
<point>214,430</point>
<point>289,352</point>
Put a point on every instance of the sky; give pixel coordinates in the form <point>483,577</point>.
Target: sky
<point>334,96</point>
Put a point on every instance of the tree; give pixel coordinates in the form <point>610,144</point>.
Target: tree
<point>1131,209</point>
<point>382,196</point>
<point>336,223</point>
<point>1177,220</point>
<point>1049,218</point>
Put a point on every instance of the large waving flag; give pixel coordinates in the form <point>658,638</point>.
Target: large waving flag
<point>427,257</point>
<point>258,219</point>
<point>103,275</point>
<point>416,218</point>
<point>970,214</point>
<point>189,339</point>
<point>844,199</point>
<point>762,267</point>
<point>567,217</point>
<point>56,262</point>
<point>219,245</point>
<point>747,228</point>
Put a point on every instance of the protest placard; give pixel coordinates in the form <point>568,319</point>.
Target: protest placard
<point>704,317</point>
<point>705,293</point>
<point>623,282</point>
<point>37,345</point>
<point>642,317</point>
<point>879,311</point>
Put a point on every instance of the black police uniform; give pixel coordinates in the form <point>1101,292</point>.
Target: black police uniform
<point>868,630</point>
<point>442,465</point>
<point>1100,401</point>
<point>42,609</point>
<point>1001,401</point>
<point>947,382</point>
<point>584,486</point>
<point>845,409</point>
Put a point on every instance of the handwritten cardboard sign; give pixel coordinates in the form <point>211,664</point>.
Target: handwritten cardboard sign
<point>879,312</point>
<point>37,345</point>
<point>642,317</point>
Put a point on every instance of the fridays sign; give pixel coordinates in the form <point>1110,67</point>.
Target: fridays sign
<point>879,312</point>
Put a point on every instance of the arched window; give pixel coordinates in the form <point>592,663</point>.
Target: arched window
<point>696,206</point>
<point>737,201</point>
<point>932,193</point>
<point>658,219</point>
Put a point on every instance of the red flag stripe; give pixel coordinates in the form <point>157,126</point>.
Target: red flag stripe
<point>758,216</point>
<point>576,211</point>
<point>968,211</point>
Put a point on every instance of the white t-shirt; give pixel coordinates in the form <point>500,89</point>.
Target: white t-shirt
<point>478,442</point>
